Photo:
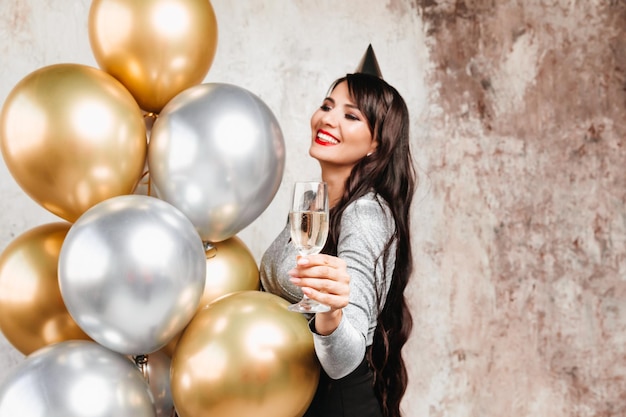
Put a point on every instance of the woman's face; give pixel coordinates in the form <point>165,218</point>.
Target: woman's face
<point>340,132</point>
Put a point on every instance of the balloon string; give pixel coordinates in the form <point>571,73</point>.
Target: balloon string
<point>148,182</point>
<point>149,119</point>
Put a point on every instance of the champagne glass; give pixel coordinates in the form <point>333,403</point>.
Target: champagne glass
<point>308,221</point>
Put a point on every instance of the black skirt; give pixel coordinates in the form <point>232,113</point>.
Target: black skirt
<point>350,396</point>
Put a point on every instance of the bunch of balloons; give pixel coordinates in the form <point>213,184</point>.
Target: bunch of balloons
<point>145,303</point>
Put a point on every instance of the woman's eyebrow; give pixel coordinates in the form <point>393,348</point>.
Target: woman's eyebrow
<point>348,105</point>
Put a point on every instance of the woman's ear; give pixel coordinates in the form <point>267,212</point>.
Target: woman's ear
<point>373,147</point>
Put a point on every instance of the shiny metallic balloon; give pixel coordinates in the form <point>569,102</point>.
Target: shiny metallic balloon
<point>32,312</point>
<point>217,153</point>
<point>245,355</point>
<point>230,267</point>
<point>131,273</point>
<point>157,373</point>
<point>72,136</point>
<point>75,379</point>
<point>156,48</point>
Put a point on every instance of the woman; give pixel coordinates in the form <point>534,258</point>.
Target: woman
<point>360,137</point>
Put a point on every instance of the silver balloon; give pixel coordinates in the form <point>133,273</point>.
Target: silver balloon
<point>156,370</point>
<point>217,153</point>
<point>75,379</point>
<point>132,272</point>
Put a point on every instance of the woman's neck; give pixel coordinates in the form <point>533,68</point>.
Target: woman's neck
<point>336,181</point>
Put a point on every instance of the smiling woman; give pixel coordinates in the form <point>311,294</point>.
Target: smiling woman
<point>341,133</point>
<point>360,138</point>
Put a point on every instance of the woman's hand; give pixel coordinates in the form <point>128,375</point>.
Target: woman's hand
<point>324,278</point>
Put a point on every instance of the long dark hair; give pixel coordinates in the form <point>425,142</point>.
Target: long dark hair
<point>389,172</point>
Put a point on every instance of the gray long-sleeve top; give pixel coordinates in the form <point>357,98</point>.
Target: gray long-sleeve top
<point>366,226</point>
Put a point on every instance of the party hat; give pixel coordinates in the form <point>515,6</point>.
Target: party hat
<point>369,64</point>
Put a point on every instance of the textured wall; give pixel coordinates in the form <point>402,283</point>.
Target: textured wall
<point>521,288</point>
<point>519,122</point>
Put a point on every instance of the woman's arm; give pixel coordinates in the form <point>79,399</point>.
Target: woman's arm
<point>348,284</point>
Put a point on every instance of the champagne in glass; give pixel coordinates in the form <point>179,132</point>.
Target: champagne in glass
<point>309,230</point>
<point>308,221</point>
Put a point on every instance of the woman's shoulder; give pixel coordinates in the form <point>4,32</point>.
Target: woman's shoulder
<point>370,207</point>
<point>371,201</point>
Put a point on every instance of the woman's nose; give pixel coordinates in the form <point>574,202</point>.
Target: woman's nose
<point>329,118</point>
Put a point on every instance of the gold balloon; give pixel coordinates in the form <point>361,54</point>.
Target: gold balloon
<point>230,267</point>
<point>171,345</point>
<point>156,48</point>
<point>245,355</point>
<point>72,136</point>
<point>32,312</point>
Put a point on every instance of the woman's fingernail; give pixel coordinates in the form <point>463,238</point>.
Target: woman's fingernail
<point>303,261</point>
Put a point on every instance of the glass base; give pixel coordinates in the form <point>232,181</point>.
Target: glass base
<point>306,305</point>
